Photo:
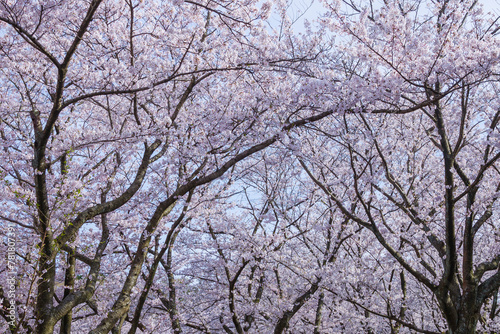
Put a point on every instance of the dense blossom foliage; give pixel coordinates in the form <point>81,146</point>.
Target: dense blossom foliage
<point>198,167</point>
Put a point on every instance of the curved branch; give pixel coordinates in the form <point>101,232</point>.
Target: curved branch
<point>70,231</point>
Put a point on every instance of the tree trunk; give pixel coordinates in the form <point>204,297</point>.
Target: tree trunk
<point>467,321</point>
<point>69,282</point>
<point>467,326</point>
<point>467,315</point>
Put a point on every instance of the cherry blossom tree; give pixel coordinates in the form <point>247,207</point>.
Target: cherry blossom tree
<point>194,167</point>
<point>256,261</point>
<point>414,158</point>
<point>112,115</point>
